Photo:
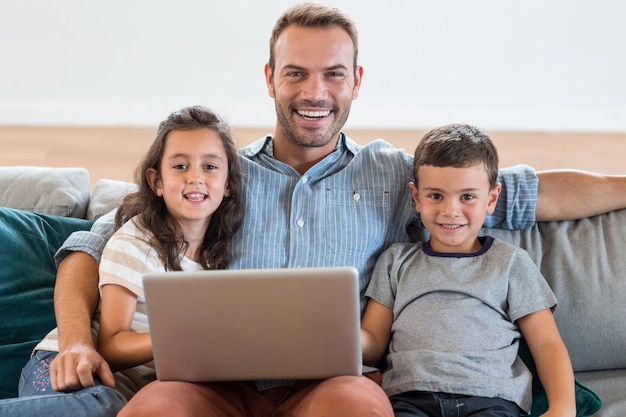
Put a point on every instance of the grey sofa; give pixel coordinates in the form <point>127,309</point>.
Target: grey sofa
<point>584,261</point>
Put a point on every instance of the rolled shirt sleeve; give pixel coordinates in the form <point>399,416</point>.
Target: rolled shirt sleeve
<point>91,242</point>
<point>516,208</point>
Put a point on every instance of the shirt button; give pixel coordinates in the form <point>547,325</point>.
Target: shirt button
<point>304,179</point>
<point>356,196</point>
<point>300,222</point>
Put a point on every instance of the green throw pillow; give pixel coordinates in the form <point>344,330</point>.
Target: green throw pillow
<point>28,242</point>
<point>587,401</point>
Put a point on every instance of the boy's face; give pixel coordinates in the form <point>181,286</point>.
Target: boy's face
<point>453,203</point>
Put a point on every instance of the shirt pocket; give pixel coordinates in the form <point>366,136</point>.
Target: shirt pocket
<point>356,221</point>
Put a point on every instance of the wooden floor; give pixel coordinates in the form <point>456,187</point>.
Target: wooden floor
<point>113,152</point>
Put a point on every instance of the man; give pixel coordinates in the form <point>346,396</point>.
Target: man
<point>313,197</point>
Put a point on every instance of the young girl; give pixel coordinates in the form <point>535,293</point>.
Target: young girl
<point>183,217</point>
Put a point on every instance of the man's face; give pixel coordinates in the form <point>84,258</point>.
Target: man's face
<point>313,85</point>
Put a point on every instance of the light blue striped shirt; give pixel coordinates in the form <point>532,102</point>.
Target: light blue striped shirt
<point>344,211</point>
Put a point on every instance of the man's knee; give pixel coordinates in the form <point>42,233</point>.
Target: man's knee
<point>349,396</point>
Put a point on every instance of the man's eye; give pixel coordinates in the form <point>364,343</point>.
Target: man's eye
<point>294,74</point>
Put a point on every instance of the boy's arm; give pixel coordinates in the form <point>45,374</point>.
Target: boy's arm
<point>572,194</point>
<point>552,360</point>
<point>75,300</point>
<point>375,332</point>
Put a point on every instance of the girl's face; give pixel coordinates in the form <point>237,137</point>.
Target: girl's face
<point>193,177</point>
<point>453,203</point>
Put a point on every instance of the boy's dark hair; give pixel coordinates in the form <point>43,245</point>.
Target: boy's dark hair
<point>314,15</point>
<point>216,251</point>
<point>459,146</point>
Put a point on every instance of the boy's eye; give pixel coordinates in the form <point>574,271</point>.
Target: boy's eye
<point>435,196</point>
<point>468,197</point>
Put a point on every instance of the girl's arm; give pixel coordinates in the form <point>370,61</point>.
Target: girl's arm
<point>121,347</point>
<point>375,332</point>
<point>553,363</point>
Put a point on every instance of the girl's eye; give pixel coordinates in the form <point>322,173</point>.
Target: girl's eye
<point>180,166</point>
<point>210,167</point>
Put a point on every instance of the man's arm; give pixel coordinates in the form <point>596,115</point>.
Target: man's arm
<point>572,194</point>
<point>75,300</point>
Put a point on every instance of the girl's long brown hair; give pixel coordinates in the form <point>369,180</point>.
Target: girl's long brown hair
<point>168,240</point>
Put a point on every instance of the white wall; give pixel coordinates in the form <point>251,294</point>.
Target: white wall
<point>500,64</point>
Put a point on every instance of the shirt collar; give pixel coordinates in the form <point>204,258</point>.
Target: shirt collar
<point>266,145</point>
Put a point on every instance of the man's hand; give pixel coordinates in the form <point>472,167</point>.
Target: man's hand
<point>74,368</point>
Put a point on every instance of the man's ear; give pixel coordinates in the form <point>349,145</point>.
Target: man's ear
<point>154,179</point>
<point>415,194</point>
<point>358,77</point>
<point>494,193</point>
<point>269,80</point>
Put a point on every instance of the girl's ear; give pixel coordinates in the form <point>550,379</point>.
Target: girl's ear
<point>154,179</point>
<point>415,194</point>
<point>227,190</point>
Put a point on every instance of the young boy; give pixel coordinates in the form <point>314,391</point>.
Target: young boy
<point>451,310</point>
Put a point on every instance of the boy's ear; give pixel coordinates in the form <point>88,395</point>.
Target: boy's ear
<point>415,194</point>
<point>494,193</point>
<point>154,179</point>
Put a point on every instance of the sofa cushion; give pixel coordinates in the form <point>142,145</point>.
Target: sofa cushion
<point>28,242</point>
<point>107,195</point>
<point>57,191</point>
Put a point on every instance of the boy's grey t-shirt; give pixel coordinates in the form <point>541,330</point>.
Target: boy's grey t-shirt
<point>454,325</point>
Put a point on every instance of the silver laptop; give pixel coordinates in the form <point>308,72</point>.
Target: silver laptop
<point>226,325</point>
